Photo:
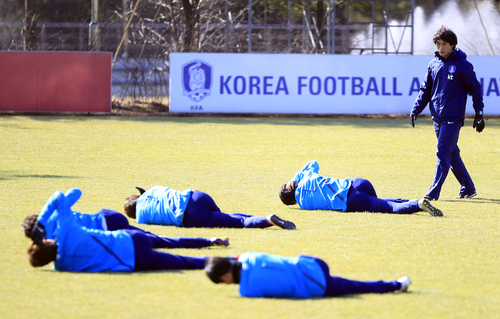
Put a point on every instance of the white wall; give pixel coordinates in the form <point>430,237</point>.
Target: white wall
<point>310,84</point>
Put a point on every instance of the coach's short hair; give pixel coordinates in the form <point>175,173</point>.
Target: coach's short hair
<point>130,205</point>
<point>287,196</point>
<point>447,35</point>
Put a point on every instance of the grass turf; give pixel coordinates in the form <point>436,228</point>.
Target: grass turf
<point>241,163</point>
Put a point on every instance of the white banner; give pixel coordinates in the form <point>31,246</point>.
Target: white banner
<point>310,84</point>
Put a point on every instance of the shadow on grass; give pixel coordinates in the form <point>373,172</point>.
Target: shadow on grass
<point>365,121</point>
<point>8,176</point>
<point>477,200</point>
<point>357,296</point>
<point>14,126</point>
<point>415,214</point>
<point>360,120</point>
<point>352,296</point>
<point>118,273</point>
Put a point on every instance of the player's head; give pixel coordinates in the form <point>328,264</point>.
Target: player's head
<point>41,255</point>
<point>446,35</point>
<point>129,206</point>
<point>225,270</point>
<point>287,193</point>
<point>29,223</point>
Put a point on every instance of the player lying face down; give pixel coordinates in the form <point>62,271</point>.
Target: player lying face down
<point>191,208</point>
<point>312,191</point>
<point>107,219</point>
<point>265,275</point>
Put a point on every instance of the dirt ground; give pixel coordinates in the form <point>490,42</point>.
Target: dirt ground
<point>163,110</point>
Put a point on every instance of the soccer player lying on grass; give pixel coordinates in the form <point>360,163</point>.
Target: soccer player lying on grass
<point>265,275</point>
<point>78,248</point>
<point>316,192</point>
<point>191,208</point>
<point>107,219</point>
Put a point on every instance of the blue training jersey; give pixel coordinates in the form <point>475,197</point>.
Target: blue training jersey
<point>92,221</point>
<point>265,275</point>
<point>316,192</point>
<point>80,248</point>
<point>163,206</point>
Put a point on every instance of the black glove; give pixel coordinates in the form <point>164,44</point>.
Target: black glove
<point>478,122</point>
<point>38,233</point>
<point>413,118</point>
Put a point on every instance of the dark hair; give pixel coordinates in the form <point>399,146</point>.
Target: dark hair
<point>41,255</point>
<point>29,223</point>
<point>447,35</point>
<point>288,196</point>
<point>129,206</point>
<point>215,267</point>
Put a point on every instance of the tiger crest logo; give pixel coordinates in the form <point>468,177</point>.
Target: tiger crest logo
<point>196,80</point>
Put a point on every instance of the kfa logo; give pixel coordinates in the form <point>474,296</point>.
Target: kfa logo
<point>196,80</point>
<point>451,70</point>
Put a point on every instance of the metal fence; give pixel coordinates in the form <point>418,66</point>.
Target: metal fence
<point>141,68</point>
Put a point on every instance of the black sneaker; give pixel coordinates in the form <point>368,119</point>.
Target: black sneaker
<point>281,223</point>
<point>467,196</point>
<point>425,205</point>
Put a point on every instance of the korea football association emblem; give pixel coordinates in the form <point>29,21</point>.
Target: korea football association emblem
<point>196,80</point>
<point>451,70</point>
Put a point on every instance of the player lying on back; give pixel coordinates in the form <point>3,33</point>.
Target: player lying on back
<point>191,208</point>
<point>265,275</point>
<point>313,191</point>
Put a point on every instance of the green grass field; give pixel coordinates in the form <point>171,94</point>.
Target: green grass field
<point>242,162</point>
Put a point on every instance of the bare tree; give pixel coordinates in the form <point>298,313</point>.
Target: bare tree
<point>191,20</point>
<point>30,30</point>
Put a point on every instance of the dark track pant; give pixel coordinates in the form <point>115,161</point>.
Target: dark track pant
<point>116,221</point>
<point>363,198</point>
<point>448,156</point>
<point>148,259</point>
<point>202,211</point>
<point>337,286</point>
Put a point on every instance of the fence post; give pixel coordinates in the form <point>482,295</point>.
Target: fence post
<point>30,31</point>
<point>94,37</point>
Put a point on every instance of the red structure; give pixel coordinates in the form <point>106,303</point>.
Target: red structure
<point>51,81</point>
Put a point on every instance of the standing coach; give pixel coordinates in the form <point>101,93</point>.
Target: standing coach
<point>450,77</point>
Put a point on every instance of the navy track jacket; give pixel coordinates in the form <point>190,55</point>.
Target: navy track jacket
<point>446,85</point>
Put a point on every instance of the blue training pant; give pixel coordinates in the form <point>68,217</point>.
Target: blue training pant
<point>148,259</point>
<point>363,198</point>
<point>202,211</point>
<point>116,221</point>
<point>448,156</point>
<point>337,286</point>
